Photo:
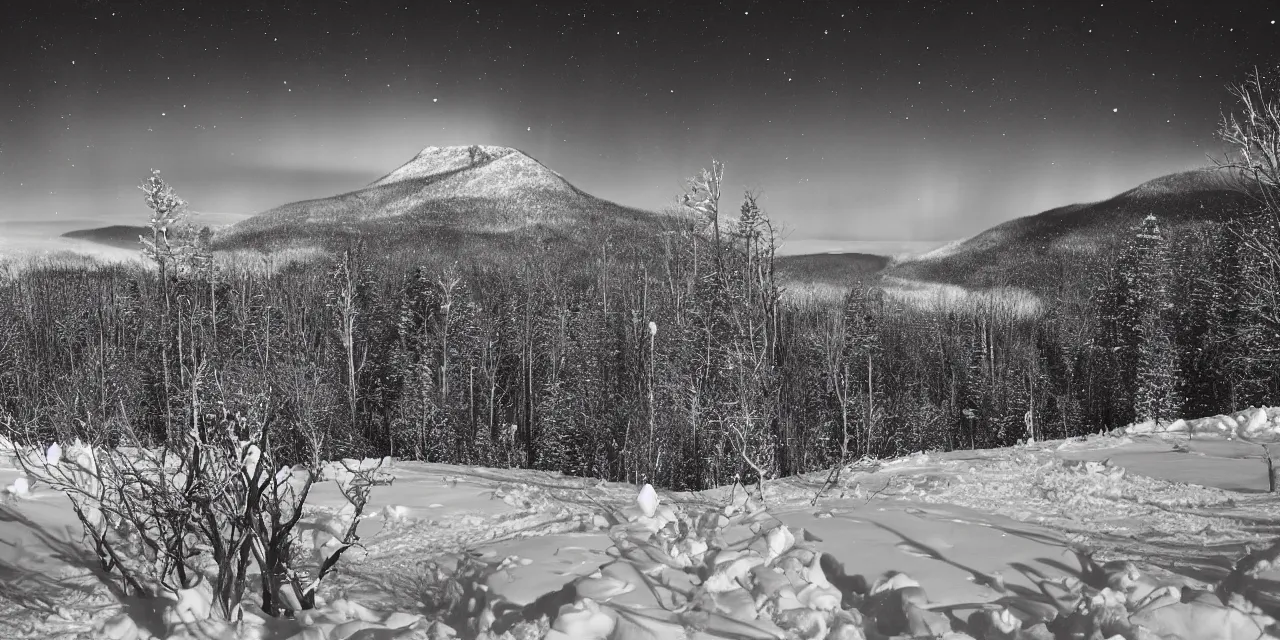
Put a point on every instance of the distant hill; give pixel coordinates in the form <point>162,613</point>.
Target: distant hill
<point>1041,251</point>
<point>119,235</point>
<point>833,272</point>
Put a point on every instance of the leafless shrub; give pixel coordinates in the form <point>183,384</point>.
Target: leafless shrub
<point>193,520</point>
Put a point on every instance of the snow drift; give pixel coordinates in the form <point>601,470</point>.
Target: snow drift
<point>1256,423</point>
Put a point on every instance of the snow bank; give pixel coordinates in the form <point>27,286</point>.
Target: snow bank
<point>1255,423</point>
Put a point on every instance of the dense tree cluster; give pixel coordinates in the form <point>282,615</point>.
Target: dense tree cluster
<point>673,358</point>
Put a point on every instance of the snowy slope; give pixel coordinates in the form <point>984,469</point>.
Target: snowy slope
<point>986,536</point>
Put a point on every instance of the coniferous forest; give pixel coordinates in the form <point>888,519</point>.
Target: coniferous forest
<point>677,358</point>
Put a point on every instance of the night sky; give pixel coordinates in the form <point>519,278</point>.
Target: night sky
<point>892,120</point>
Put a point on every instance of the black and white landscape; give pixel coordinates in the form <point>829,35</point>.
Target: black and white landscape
<point>648,320</point>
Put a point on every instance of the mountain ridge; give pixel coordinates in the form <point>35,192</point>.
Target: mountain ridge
<point>460,200</point>
<point>1039,250</point>
<point>121,236</point>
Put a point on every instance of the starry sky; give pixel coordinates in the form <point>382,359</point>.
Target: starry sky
<point>895,120</point>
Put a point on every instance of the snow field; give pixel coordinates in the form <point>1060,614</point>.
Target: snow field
<point>965,544</point>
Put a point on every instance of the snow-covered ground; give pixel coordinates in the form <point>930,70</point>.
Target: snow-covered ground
<point>937,296</point>
<point>994,544</point>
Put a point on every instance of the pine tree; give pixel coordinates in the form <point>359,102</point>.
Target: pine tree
<point>1225,358</point>
<point>1149,353</point>
<point>554,427</point>
<point>1157,396</point>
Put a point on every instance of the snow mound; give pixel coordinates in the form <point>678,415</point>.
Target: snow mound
<point>1255,423</point>
<point>189,619</point>
<point>21,488</point>
<point>344,469</point>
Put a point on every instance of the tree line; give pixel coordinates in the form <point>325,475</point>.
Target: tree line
<point>674,359</point>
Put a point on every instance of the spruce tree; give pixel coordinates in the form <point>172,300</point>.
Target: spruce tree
<point>1157,395</point>
<point>1147,346</point>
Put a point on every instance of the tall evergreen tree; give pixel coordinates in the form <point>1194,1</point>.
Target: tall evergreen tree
<point>1146,323</point>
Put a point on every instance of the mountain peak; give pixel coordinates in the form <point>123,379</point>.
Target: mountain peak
<point>479,167</point>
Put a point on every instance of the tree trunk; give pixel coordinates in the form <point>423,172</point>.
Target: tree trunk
<point>1271,472</point>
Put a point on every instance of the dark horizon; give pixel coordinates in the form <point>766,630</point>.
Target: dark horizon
<point>897,123</point>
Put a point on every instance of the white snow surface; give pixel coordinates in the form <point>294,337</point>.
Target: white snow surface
<point>1255,424</point>
<point>893,548</point>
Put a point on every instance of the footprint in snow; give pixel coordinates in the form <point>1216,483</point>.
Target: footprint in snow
<point>913,550</point>
<point>582,549</point>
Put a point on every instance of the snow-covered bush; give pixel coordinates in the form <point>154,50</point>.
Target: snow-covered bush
<point>199,520</point>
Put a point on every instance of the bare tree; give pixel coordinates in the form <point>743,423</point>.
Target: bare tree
<point>1252,135</point>
<point>447,284</point>
<point>839,382</point>
<point>304,386</point>
<point>345,306</point>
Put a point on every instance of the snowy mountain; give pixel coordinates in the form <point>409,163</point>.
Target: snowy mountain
<point>475,189</point>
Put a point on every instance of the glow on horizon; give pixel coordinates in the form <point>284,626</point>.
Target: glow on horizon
<point>877,124</point>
